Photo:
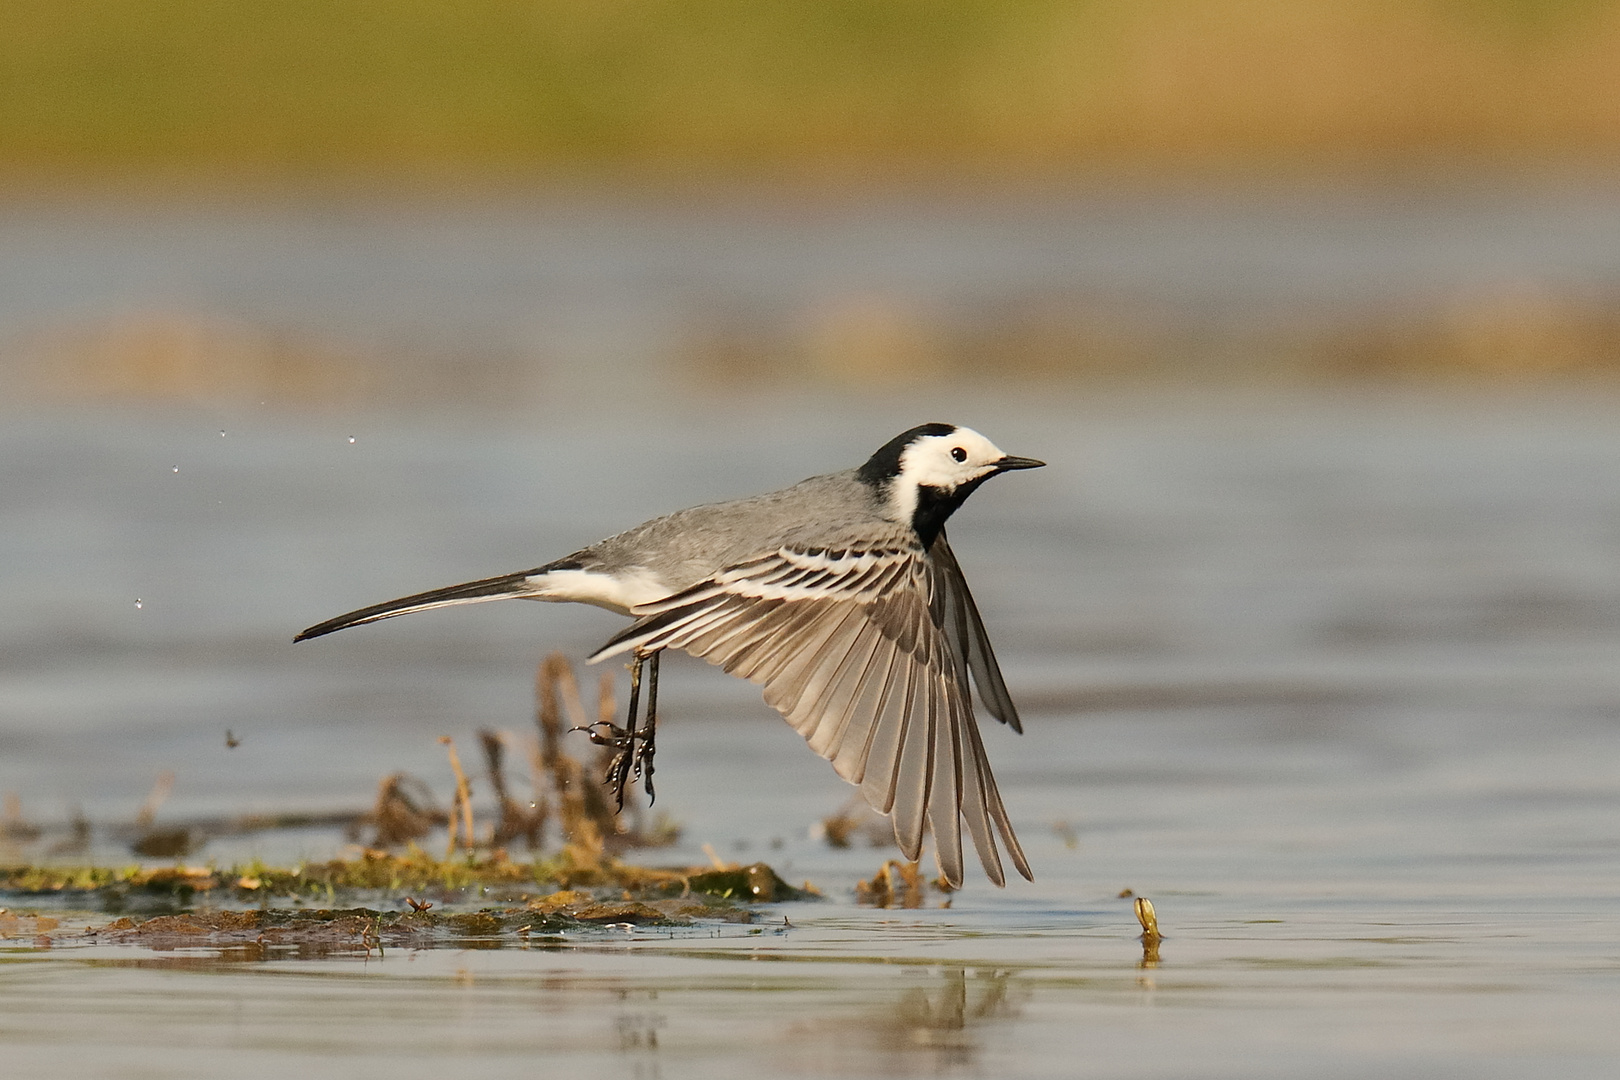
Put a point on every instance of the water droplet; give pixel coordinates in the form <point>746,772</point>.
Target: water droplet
<point>177,468</point>
<point>137,603</point>
<point>222,433</point>
<point>351,438</point>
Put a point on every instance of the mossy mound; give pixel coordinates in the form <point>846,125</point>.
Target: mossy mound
<point>383,878</point>
<point>349,929</point>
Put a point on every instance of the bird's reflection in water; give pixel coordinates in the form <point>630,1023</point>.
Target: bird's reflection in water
<point>930,1028</point>
<point>636,1024</point>
<point>933,1026</point>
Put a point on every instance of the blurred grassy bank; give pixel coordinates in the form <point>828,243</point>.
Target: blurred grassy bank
<point>511,89</point>
<point>1510,338</point>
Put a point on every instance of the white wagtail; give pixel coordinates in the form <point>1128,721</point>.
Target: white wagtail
<point>839,595</point>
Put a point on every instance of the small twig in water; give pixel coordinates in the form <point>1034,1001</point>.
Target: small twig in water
<point>881,891</point>
<point>714,857</point>
<point>1150,931</point>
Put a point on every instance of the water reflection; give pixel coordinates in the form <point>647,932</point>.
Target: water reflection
<point>935,1025</point>
<point>636,1025</point>
<point>601,1002</point>
<point>944,1019</point>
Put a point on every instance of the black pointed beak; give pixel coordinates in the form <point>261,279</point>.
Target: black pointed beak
<point>1009,463</point>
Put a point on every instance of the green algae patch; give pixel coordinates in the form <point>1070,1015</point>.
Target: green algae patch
<point>112,889</point>
<point>47,879</point>
<point>561,908</point>
<point>323,931</point>
<point>572,885</point>
<point>757,883</point>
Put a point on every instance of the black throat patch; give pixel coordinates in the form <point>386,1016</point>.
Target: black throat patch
<point>936,505</point>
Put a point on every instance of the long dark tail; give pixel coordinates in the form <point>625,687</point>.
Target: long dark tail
<point>506,587</point>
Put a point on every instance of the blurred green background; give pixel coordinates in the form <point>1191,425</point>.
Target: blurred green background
<point>510,89</point>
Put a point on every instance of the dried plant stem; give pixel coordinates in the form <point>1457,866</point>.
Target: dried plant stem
<point>895,884</point>
<point>554,680</point>
<point>463,800</point>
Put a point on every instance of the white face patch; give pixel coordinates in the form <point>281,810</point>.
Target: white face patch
<point>940,461</point>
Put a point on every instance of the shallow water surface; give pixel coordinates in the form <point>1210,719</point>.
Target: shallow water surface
<point>1332,680</point>
<point>985,991</point>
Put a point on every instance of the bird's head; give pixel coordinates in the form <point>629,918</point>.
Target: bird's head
<point>924,474</point>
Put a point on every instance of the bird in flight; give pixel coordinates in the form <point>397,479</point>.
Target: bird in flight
<point>841,597</point>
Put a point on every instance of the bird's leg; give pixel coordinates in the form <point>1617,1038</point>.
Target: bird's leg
<point>619,772</point>
<point>621,739</point>
<point>649,732</point>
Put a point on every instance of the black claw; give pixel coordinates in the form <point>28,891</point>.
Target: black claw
<point>626,753</point>
<point>644,765</point>
<point>633,749</point>
<point>615,734</point>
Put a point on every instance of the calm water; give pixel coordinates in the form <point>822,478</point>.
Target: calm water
<point>1333,679</point>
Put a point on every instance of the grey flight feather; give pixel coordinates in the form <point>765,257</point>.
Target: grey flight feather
<point>971,643</point>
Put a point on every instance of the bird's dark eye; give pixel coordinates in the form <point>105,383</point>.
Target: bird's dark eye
<point>958,454</point>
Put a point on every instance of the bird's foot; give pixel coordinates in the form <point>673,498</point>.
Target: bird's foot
<point>633,754</point>
<point>644,761</point>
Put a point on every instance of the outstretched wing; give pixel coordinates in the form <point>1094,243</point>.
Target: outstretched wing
<point>956,612</point>
<point>852,647</point>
